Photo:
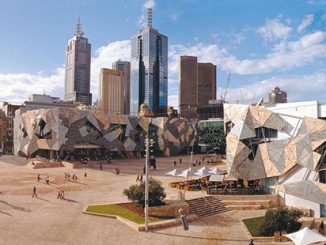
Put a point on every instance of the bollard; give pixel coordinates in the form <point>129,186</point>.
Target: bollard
<point>183,219</point>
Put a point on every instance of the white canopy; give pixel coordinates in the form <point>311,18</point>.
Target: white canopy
<point>202,172</point>
<point>187,174</point>
<point>305,237</point>
<point>216,170</point>
<point>205,169</point>
<point>174,172</point>
<point>190,169</point>
<point>216,178</point>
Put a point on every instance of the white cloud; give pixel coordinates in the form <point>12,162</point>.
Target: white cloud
<point>142,19</point>
<point>298,87</point>
<point>18,87</point>
<point>284,56</point>
<point>305,22</point>
<point>174,17</point>
<point>149,4</point>
<point>274,30</point>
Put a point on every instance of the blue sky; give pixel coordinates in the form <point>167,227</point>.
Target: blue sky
<point>262,43</point>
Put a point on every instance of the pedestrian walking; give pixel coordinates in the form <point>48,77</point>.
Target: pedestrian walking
<point>47,180</point>
<point>251,242</point>
<point>175,164</point>
<point>141,178</point>
<point>59,193</point>
<point>180,160</point>
<point>34,192</point>
<point>38,178</point>
<point>85,174</point>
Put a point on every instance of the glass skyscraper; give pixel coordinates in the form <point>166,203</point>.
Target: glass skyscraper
<point>149,70</point>
<point>78,68</point>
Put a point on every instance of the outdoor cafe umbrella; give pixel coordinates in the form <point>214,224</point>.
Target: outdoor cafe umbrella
<point>190,169</point>
<point>205,168</point>
<point>216,170</point>
<point>306,236</point>
<point>187,174</point>
<point>202,172</point>
<point>175,172</point>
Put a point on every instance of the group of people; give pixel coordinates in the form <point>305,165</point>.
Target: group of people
<point>74,177</point>
<point>139,178</point>
<point>46,179</point>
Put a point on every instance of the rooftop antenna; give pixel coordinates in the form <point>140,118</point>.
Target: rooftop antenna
<point>150,13</point>
<point>79,32</point>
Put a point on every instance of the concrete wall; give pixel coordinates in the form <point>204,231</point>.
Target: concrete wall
<point>292,201</point>
<point>168,210</point>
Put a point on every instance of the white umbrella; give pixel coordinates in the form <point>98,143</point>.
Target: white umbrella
<point>186,174</point>
<point>202,172</point>
<point>190,169</point>
<point>216,170</point>
<point>205,168</point>
<point>175,172</point>
<point>305,237</point>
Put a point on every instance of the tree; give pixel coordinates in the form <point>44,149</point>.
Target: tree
<point>281,219</point>
<point>156,193</point>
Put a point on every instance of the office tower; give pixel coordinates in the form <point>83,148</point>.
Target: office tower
<point>149,70</point>
<point>78,68</point>
<point>206,84</point>
<point>188,73</point>
<point>277,96</point>
<point>197,85</point>
<point>124,66</point>
<point>111,91</point>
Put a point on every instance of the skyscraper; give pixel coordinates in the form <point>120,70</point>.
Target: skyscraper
<point>206,83</point>
<point>149,69</point>
<point>188,83</point>
<point>197,85</point>
<point>124,66</point>
<point>78,68</point>
<point>277,96</point>
<point>111,91</point>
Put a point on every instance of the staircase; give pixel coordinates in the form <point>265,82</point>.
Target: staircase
<point>206,206</point>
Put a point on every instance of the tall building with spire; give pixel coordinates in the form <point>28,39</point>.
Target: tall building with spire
<point>78,68</point>
<point>149,69</point>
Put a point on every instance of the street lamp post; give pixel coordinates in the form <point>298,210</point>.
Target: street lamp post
<point>146,183</point>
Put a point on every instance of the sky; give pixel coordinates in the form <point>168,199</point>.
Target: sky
<point>262,43</point>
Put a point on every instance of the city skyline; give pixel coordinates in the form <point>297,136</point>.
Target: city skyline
<point>263,45</point>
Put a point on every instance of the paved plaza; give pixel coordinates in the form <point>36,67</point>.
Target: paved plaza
<point>48,220</point>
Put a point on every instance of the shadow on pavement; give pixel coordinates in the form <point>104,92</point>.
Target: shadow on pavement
<point>16,207</point>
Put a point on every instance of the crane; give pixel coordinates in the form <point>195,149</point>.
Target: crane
<point>226,89</point>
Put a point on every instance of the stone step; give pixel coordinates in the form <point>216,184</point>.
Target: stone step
<point>244,207</point>
<point>264,203</point>
<point>206,206</point>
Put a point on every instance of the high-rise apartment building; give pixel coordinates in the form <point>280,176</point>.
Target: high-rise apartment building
<point>78,68</point>
<point>197,85</point>
<point>277,96</point>
<point>111,91</point>
<point>124,66</point>
<point>149,70</point>
<point>188,83</point>
<point>206,84</point>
